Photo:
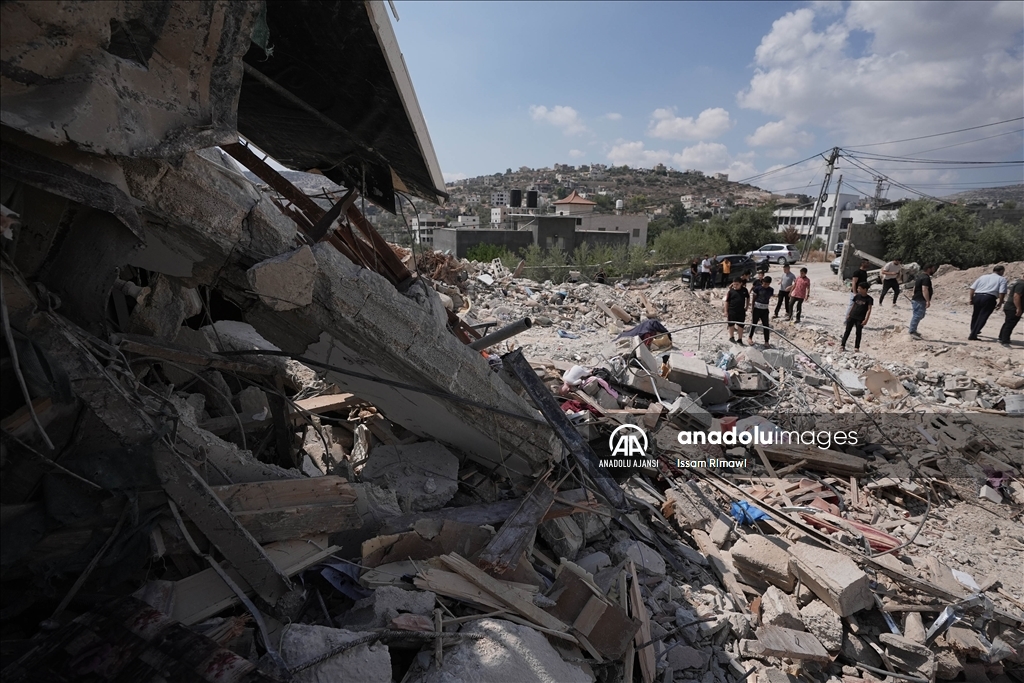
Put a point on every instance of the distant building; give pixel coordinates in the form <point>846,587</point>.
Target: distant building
<point>473,200</point>
<point>573,204</point>
<point>721,176</point>
<point>423,226</point>
<point>499,215</point>
<point>466,222</point>
<point>499,198</point>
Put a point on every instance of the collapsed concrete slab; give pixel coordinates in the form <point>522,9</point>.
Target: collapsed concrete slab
<point>694,376</point>
<point>767,559</point>
<point>834,578</point>
<point>285,281</point>
<point>424,476</point>
<point>301,643</point>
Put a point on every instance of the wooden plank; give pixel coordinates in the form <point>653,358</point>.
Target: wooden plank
<point>204,594</point>
<point>824,460</point>
<point>328,403</point>
<point>507,596</point>
<point>186,488</point>
<point>589,615</point>
<point>649,308</point>
<point>604,309</point>
<point>767,464</point>
<point>710,551</point>
<point>638,611</point>
<point>785,642</point>
<point>504,550</point>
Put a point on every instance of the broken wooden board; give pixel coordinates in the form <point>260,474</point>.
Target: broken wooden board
<point>785,642</point>
<point>499,590</point>
<point>290,508</point>
<point>204,594</point>
<point>606,626</point>
<point>429,538</point>
<point>638,610</point>
<point>504,550</point>
<point>452,585</point>
<point>186,488</point>
<point>817,459</point>
<point>325,404</point>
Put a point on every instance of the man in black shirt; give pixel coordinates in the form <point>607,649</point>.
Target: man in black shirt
<point>1013,309</point>
<point>860,313</point>
<point>860,275</point>
<point>736,300</point>
<point>762,294</point>
<point>922,299</point>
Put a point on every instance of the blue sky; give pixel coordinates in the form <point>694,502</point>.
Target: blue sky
<point>737,87</point>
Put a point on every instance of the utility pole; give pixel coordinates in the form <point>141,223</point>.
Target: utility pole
<point>822,197</point>
<point>880,189</point>
<point>833,230</point>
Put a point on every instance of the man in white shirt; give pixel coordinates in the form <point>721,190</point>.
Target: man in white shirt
<point>987,292</point>
<point>891,280</point>
<point>705,272</point>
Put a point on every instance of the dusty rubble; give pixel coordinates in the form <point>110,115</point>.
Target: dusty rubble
<point>245,439</point>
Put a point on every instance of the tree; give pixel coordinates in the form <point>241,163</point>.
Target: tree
<point>637,203</point>
<point>485,253</point>
<point>656,227</point>
<point>484,213</point>
<point>677,214</point>
<point>561,192</point>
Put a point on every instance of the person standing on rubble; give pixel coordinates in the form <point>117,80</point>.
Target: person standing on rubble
<point>736,299</point>
<point>726,270</point>
<point>860,275</point>
<point>922,299</point>
<point>800,293</point>
<point>785,286</point>
<point>891,272</point>
<point>761,297</point>
<point>984,293</point>
<point>705,272</point>
<point>1013,309</point>
<point>859,315</point>
<point>694,274</point>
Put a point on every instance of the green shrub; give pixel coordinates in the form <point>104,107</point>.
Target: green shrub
<point>488,252</point>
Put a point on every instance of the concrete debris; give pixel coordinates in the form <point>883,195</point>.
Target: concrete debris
<point>234,412</point>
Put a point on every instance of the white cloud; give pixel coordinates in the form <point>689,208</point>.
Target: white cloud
<point>566,118</point>
<point>452,177</point>
<point>576,153</point>
<point>709,124</point>
<point>782,138</point>
<point>633,154</point>
<point>613,116</point>
<point>919,68</point>
<point>710,157</point>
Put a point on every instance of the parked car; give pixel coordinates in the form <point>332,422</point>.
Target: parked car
<point>835,264</point>
<point>738,265</point>
<point>777,253</point>
<point>839,249</point>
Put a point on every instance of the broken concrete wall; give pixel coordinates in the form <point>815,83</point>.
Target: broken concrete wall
<point>78,75</point>
<point>215,226</point>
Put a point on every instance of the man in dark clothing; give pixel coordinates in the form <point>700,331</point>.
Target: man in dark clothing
<point>987,294</point>
<point>860,313</point>
<point>785,285</point>
<point>860,275</point>
<point>736,301</point>
<point>922,299</point>
<point>694,274</point>
<point>1013,309</point>
<point>760,297</point>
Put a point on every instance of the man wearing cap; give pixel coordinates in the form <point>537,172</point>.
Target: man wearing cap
<point>987,292</point>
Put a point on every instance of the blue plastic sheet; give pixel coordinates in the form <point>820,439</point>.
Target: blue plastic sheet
<point>744,513</point>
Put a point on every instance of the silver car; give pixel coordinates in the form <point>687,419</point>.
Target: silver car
<point>777,253</point>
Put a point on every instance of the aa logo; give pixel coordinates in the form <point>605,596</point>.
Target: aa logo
<point>628,441</point>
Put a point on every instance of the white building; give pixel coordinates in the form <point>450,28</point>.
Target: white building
<point>804,221</point>
<point>499,214</point>
<point>466,222</point>
<point>721,176</point>
<point>423,226</point>
<point>499,198</point>
<point>473,200</point>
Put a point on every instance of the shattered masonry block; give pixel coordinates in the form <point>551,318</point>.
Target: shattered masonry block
<point>691,508</point>
<point>760,557</point>
<point>424,476</point>
<point>778,358</point>
<point>643,556</point>
<point>834,578</point>
<point>286,281</point>
<point>825,624</point>
<point>778,609</point>
<point>652,384</point>
<point>366,663</point>
<point>694,376</point>
<point>908,656</point>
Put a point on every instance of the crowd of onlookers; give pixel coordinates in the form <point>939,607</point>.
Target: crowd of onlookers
<point>989,292</point>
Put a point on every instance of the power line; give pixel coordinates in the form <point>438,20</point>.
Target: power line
<point>781,168</point>
<point>935,135</point>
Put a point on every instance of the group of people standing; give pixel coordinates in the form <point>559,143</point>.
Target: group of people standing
<point>793,291</point>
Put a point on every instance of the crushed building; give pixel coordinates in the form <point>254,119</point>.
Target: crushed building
<point>246,439</point>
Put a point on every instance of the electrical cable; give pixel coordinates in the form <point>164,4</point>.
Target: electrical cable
<point>781,168</point>
<point>966,142</point>
<point>935,135</point>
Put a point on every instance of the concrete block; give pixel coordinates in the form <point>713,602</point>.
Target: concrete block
<point>694,376</point>
<point>908,656</point>
<point>285,281</point>
<point>563,535</point>
<point>913,627</point>
<point>424,476</point>
<point>749,381</point>
<point>688,413</point>
<point>720,531</point>
<point>989,493</point>
<point>366,663</point>
<point>856,650</point>
<point>646,358</point>
<point>824,624</point>
<point>639,381</point>
<point>1010,381</point>
<point>595,562</point>
<point>813,380</point>
<point>766,559</point>
<point>852,382</point>
<point>509,653</point>
<point>167,306</point>
<point>686,657</point>
<point>690,508</point>
<point>778,358</point>
<point>834,578</point>
<point>778,609</point>
<point>253,403</point>
<point>643,556</point>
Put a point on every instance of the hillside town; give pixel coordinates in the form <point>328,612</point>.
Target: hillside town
<point>280,404</point>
